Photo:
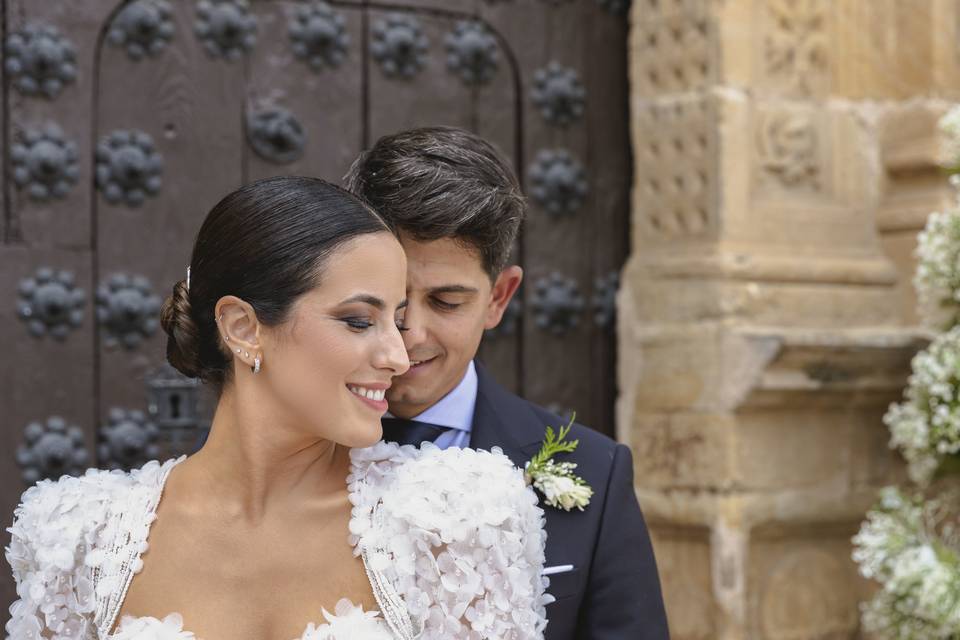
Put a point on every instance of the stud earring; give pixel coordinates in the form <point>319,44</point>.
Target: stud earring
<point>256,364</point>
<point>246,354</point>
<point>239,350</point>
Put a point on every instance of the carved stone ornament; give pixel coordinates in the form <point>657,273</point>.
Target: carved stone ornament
<point>50,303</point>
<point>44,163</point>
<point>128,167</point>
<point>558,182</point>
<point>472,52</point>
<point>39,61</point>
<point>127,309</point>
<point>51,449</point>
<point>142,28</point>
<point>557,304</point>
<point>318,35</point>
<point>604,300</point>
<point>787,149</point>
<point>127,441</point>
<point>399,45</point>
<point>558,93</point>
<point>226,28</point>
<point>796,45</point>
<point>276,135</point>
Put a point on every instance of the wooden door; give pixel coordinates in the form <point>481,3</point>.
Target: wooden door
<point>124,122</point>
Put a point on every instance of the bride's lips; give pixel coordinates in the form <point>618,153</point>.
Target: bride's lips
<point>378,390</point>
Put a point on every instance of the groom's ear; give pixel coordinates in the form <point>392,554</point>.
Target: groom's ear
<point>504,287</point>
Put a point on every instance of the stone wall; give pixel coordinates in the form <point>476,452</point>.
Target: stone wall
<point>784,155</point>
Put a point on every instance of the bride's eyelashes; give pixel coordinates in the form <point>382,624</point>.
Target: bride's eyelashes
<point>358,324</point>
<point>362,324</point>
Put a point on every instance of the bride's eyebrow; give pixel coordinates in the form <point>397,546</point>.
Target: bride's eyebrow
<point>373,301</point>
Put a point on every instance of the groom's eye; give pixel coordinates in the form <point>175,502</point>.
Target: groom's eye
<point>446,306</point>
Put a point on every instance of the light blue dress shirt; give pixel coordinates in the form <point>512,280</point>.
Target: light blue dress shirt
<point>454,410</point>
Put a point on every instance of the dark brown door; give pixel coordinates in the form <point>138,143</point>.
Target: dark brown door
<point>124,122</point>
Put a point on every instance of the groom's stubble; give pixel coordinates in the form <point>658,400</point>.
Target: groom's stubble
<point>450,302</point>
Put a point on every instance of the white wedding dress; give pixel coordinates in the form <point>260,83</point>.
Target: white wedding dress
<point>452,542</point>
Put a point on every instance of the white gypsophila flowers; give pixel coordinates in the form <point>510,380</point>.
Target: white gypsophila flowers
<point>560,487</point>
<point>918,570</point>
<point>949,125</point>
<point>925,427</point>
<point>937,279</point>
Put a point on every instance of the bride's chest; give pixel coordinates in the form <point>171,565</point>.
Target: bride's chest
<point>269,582</point>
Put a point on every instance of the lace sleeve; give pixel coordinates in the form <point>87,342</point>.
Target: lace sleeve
<point>46,554</point>
<point>461,536</point>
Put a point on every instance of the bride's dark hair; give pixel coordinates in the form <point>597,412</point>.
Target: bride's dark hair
<point>266,243</point>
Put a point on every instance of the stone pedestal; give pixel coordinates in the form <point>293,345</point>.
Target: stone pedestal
<point>784,155</point>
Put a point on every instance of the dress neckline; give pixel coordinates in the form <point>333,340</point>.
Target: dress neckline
<point>114,625</point>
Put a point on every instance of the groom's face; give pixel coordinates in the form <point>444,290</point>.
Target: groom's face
<point>450,301</point>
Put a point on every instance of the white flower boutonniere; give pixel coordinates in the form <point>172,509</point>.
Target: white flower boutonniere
<point>562,488</point>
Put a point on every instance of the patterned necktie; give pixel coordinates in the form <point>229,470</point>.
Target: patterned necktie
<point>410,431</point>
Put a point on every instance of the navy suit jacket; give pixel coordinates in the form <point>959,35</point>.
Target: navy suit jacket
<point>613,593</point>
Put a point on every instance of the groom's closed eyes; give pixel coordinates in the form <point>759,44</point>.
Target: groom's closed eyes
<point>449,297</point>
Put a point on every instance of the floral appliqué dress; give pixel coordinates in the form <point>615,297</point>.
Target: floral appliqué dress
<point>452,542</point>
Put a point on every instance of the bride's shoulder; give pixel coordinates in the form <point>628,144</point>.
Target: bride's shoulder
<point>457,475</point>
<point>454,530</point>
<point>443,491</point>
<point>52,510</point>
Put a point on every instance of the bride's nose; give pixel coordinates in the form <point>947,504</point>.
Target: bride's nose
<point>393,354</point>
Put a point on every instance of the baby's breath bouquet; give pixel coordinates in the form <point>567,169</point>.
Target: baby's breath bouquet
<point>909,543</point>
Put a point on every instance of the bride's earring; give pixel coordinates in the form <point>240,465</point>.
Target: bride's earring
<point>256,364</point>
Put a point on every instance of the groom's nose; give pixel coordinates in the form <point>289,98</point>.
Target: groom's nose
<point>415,333</point>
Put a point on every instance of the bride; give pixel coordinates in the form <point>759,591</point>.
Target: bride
<point>293,520</point>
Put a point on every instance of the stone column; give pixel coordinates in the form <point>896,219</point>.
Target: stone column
<point>764,327</point>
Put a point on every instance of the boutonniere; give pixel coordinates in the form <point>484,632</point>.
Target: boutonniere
<point>561,487</point>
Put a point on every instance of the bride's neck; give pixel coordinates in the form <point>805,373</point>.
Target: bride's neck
<point>256,460</point>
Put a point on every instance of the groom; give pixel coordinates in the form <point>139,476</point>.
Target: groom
<point>457,208</point>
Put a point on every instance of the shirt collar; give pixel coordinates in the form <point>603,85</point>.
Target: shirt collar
<point>455,410</point>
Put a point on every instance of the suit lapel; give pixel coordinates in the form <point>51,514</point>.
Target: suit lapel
<point>504,420</point>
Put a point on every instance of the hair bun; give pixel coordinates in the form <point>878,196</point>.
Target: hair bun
<point>183,334</point>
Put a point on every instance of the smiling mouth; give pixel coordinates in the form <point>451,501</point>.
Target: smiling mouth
<point>370,394</point>
<point>417,363</point>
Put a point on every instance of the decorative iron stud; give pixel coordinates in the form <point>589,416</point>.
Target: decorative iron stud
<point>604,300</point>
<point>557,304</point>
<point>472,52</point>
<point>226,28</point>
<point>128,167</point>
<point>51,449</point>
<point>399,45</point>
<point>127,309</point>
<point>276,135</point>
<point>127,441</point>
<point>318,35</point>
<point>44,163</point>
<point>558,182</point>
<point>50,303</point>
<point>558,93</point>
<point>39,61</point>
<point>143,28</point>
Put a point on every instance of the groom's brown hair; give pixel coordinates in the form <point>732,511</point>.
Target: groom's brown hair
<point>443,182</point>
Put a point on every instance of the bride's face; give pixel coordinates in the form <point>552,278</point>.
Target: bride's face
<point>342,344</point>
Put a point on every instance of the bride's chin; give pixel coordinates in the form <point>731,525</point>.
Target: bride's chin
<point>366,436</point>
